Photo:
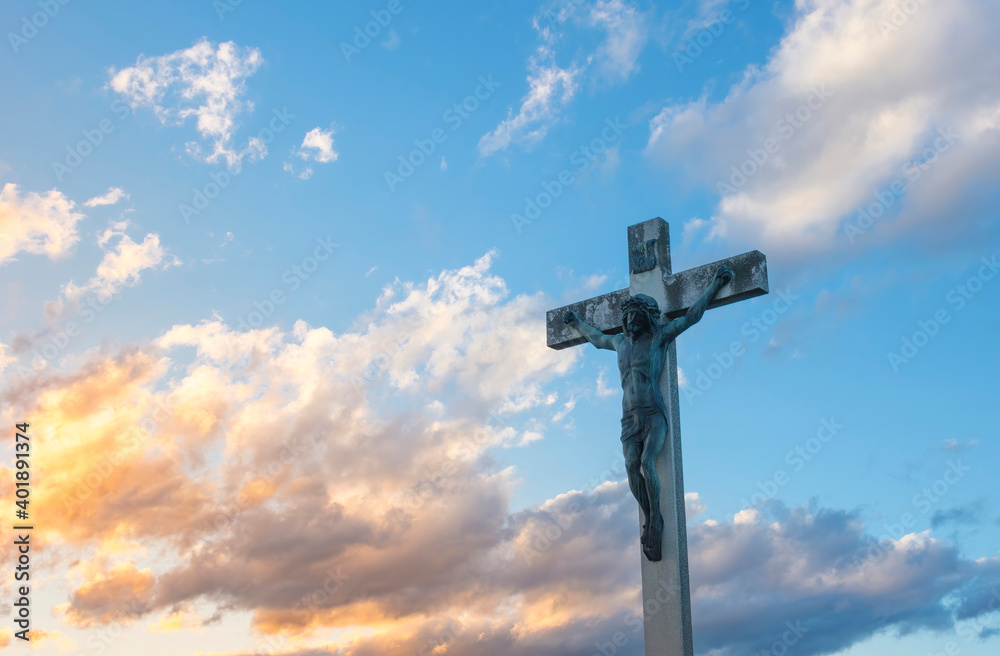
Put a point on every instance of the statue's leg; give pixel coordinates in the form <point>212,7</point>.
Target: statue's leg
<point>632,450</point>
<point>653,444</point>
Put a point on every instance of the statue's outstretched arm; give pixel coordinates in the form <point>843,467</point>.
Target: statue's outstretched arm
<point>674,328</point>
<point>592,335</point>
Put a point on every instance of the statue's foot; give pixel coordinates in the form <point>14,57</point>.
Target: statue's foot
<point>645,534</point>
<point>651,546</point>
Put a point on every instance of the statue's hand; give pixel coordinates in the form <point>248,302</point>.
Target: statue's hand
<point>725,274</point>
<point>572,318</point>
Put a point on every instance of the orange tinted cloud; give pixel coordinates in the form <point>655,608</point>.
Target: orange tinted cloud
<point>39,638</point>
<point>121,593</point>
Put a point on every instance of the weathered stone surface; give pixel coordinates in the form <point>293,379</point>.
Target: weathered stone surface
<point>649,240</point>
<point>643,256</point>
<point>603,313</point>
<point>682,289</point>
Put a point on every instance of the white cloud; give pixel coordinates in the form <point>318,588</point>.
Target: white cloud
<point>564,412</point>
<point>746,516</point>
<point>36,223</point>
<point>706,14</point>
<point>120,267</point>
<point>318,146</point>
<point>116,228</point>
<point>603,389</point>
<point>891,89</point>
<point>692,228</point>
<point>693,505</point>
<point>5,359</point>
<point>617,56</point>
<point>551,89</point>
<point>612,159</point>
<point>530,436</point>
<point>206,82</point>
<point>393,41</point>
<point>594,281</point>
<point>952,444</point>
<point>114,195</point>
<point>255,150</point>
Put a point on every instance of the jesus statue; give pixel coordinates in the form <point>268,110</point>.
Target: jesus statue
<point>642,350</point>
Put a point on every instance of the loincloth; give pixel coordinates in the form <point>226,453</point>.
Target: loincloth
<point>636,420</point>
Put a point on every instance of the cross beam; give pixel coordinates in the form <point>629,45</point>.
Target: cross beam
<point>682,289</point>
<point>664,582</point>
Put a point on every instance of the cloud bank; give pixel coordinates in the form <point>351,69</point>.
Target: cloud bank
<point>343,489</point>
<point>857,96</point>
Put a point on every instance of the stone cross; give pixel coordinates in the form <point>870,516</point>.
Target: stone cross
<point>666,595</point>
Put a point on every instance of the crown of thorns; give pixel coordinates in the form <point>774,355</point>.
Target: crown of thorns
<point>644,303</point>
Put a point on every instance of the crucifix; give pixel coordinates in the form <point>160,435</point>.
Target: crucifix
<point>640,324</point>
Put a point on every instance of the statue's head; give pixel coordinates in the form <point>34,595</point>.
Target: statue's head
<point>639,314</point>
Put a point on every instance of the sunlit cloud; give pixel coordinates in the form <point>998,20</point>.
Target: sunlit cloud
<point>121,266</point>
<point>802,145</point>
<point>552,87</point>
<point>40,224</point>
<point>113,195</point>
<point>206,82</point>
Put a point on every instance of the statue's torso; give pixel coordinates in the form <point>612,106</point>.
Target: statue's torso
<point>635,364</point>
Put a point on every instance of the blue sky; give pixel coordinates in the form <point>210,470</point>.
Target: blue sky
<point>299,232</point>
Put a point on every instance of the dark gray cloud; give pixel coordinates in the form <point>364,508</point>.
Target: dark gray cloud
<point>968,515</point>
<point>816,570</point>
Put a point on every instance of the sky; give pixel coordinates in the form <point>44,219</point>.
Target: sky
<point>274,290</point>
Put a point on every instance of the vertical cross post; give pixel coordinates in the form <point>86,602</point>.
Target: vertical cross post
<point>665,591</point>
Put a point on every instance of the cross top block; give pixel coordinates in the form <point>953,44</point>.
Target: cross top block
<point>650,269</point>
